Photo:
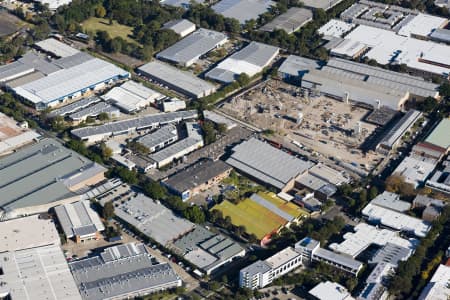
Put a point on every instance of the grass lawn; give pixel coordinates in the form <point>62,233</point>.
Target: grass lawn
<point>114,30</point>
<point>288,207</point>
<point>256,218</point>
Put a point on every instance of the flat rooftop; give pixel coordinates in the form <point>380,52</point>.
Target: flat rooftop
<point>12,136</point>
<point>330,291</point>
<point>415,170</point>
<point>190,48</point>
<point>365,235</point>
<point>266,163</point>
<point>38,273</point>
<point>282,257</point>
<point>153,219</point>
<point>41,174</point>
<point>391,201</point>
<point>396,220</point>
<point>323,4</point>
<point>290,21</point>
<point>335,28</point>
<point>242,10</point>
<point>159,136</point>
<point>196,175</point>
<point>27,232</point>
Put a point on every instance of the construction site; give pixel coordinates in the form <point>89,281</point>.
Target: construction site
<point>319,125</point>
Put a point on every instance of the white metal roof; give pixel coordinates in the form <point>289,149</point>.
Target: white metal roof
<point>242,10</point>
<point>330,291</point>
<point>422,25</point>
<point>336,28</point>
<point>415,171</point>
<point>57,48</point>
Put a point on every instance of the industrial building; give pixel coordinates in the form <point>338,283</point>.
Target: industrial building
<point>428,151</point>
<point>290,21</point>
<point>294,67</point>
<point>172,104</point>
<point>267,164</point>
<point>335,29</point>
<point>183,82</point>
<point>197,178</point>
<point>181,3</point>
<point>441,36</point>
<point>365,235</point>
<point>54,4</point>
<point>55,48</point>
<point>131,96</point>
<point>94,111</point>
<point>74,107</point>
<point>125,127</point>
<point>218,119</point>
<point>33,266</point>
<point>251,60</point>
<point>330,291</point>
<point>348,49</point>
<point>439,136</point>
<point>394,135</point>
<point>188,51</point>
<point>206,250</point>
<point>423,57</point>
<point>311,251</point>
<point>79,221</point>
<point>160,138</point>
<point>440,181</point>
<point>13,135</point>
<point>192,142</point>
<point>261,273</point>
<point>395,220</point>
<point>323,4</point>
<point>44,82</point>
<point>153,219</point>
<point>391,201</point>
<point>122,272</point>
<point>415,170</point>
<point>44,175</point>
<point>242,10</point>
<point>437,287</point>
<point>182,27</point>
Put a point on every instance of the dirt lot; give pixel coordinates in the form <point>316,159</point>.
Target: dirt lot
<point>321,125</point>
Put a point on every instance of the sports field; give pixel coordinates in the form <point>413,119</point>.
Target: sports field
<point>114,30</point>
<point>256,218</point>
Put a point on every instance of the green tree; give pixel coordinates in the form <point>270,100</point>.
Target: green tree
<point>154,190</point>
<point>427,105</point>
<point>373,192</point>
<point>103,116</point>
<point>108,210</point>
<point>243,79</point>
<point>100,11</point>
<point>195,214</point>
<point>209,132</point>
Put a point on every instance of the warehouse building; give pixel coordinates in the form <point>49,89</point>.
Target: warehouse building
<point>352,81</point>
<point>122,272</point>
<point>437,287</point>
<point>79,221</point>
<point>54,4</point>
<point>394,135</point>
<point>153,219</point>
<point>131,96</point>
<point>192,142</point>
<point>182,27</point>
<point>441,36</point>
<point>311,251</point>
<point>294,67</point>
<point>251,60</point>
<point>391,201</point>
<point>56,48</point>
<point>218,119</point>
<point>197,178</point>
<point>94,111</point>
<point>424,58</point>
<point>47,83</point>
<point>33,266</point>
<point>415,170</point>
<point>42,176</point>
<point>188,51</point>
<point>74,107</point>
<point>183,82</point>
<point>13,135</point>
<point>395,220</point>
<point>267,164</point>
<point>322,4</point>
<point>172,104</point>
<point>125,127</point>
<point>160,138</point>
<point>290,21</point>
<point>439,136</point>
<point>428,151</point>
<point>365,235</point>
<point>262,273</point>
<point>206,250</point>
<point>440,181</point>
<point>242,10</point>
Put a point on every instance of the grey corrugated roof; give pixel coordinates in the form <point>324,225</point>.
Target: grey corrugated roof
<point>293,65</point>
<point>94,111</point>
<point>441,35</point>
<point>75,106</point>
<point>323,4</point>
<point>193,46</point>
<point>196,175</point>
<point>174,149</point>
<point>185,81</point>
<point>178,26</point>
<point>134,124</point>
<point>270,206</point>
<point>292,20</point>
<point>97,279</point>
<point>400,128</point>
<point>34,175</point>
<point>159,136</point>
<point>11,70</point>
<point>391,253</point>
<point>242,10</point>
<point>338,259</point>
<point>267,163</point>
